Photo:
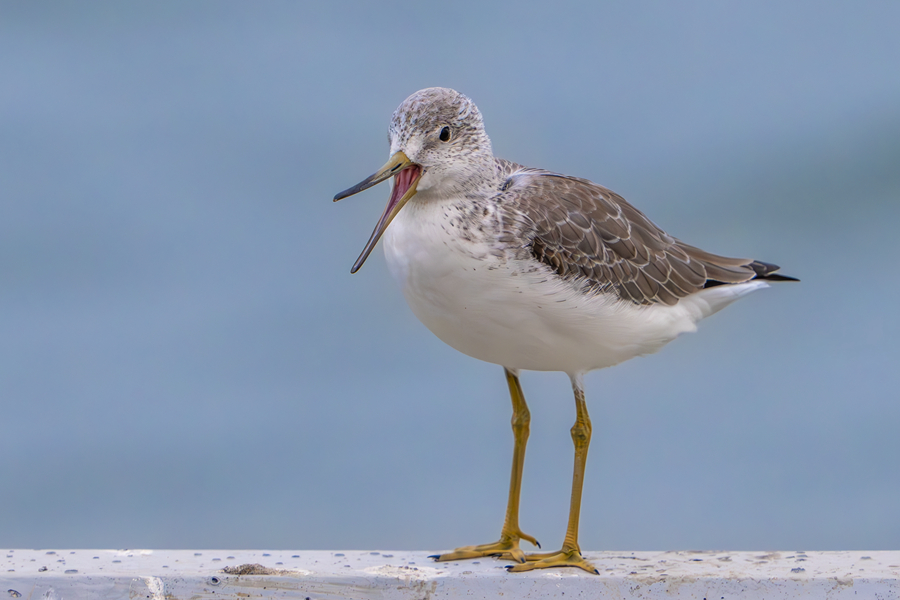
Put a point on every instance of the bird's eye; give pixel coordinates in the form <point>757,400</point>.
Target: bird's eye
<point>445,134</point>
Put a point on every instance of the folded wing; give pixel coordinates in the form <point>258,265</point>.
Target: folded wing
<point>585,232</point>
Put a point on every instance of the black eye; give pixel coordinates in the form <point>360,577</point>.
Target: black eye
<point>445,134</point>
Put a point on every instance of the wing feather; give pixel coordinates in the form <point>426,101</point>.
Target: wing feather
<point>587,233</point>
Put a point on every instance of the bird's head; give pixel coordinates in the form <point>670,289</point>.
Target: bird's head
<point>438,142</point>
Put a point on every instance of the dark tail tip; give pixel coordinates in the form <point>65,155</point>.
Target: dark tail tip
<point>767,271</point>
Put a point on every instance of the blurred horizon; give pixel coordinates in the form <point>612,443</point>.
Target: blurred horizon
<point>186,362</point>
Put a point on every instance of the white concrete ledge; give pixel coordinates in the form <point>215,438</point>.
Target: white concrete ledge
<point>173,574</point>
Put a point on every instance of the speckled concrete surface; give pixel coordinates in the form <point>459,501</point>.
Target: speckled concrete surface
<point>171,574</point>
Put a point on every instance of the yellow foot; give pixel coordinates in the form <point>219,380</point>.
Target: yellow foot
<point>563,558</point>
<point>507,547</point>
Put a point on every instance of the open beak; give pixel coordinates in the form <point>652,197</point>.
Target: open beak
<point>406,175</point>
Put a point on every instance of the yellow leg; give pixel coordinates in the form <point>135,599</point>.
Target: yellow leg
<point>508,545</point>
<point>570,554</point>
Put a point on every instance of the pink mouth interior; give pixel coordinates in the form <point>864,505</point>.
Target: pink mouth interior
<point>402,182</point>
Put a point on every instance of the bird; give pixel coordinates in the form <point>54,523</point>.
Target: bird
<point>533,270</point>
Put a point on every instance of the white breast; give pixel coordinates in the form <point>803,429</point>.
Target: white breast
<point>509,313</point>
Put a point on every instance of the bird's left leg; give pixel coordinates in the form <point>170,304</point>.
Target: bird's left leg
<point>510,534</point>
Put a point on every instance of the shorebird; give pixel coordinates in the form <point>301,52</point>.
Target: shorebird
<point>533,270</point>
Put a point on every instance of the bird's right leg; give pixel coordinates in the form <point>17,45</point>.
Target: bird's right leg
<point>510,534</point>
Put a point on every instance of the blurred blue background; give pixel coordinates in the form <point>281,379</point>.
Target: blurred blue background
<point>186,361</point>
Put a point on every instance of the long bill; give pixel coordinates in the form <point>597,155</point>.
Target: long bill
<point>406,176</point>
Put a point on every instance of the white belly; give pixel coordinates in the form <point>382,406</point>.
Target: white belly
<point>505,313</point>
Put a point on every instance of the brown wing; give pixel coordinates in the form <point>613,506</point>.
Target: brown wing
<point>586,232</point>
